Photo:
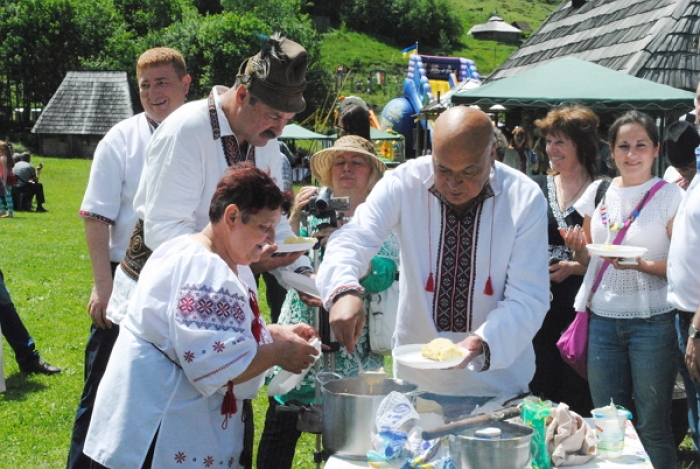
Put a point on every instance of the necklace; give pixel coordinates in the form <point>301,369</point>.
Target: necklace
<point>618,226</point>
<point>564,204</point>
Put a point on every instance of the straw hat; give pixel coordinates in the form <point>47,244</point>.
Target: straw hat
<point>322,161</point>
<point>277,74</point>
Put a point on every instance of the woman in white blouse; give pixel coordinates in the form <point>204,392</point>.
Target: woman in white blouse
<point>631,331</point>
<point>193,349</point>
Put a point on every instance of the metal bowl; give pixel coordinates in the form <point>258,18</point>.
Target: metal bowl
<point>511,451</point>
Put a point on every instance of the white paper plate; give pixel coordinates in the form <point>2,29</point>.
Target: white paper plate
<point>284,381</point>
<point>615,250</point>
<point>295,247</point>
<point>411,355</point>
<point>300,282</point>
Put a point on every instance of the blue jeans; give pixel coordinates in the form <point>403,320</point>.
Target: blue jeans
<point>633,362</point>
<point>692,388</point>
<point>13,329</point>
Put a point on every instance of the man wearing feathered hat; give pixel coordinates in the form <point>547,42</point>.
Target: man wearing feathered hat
<point>185,159</point>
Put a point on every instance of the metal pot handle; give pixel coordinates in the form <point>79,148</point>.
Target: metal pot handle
<point>325,376</point>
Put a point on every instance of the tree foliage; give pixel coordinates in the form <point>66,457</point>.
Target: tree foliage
<point>41,40</point>
<point>428,22</point>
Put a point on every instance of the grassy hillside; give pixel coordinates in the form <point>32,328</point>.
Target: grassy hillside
<point>362,53</point>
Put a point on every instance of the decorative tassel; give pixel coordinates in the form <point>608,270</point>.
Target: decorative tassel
<point>228,407</point>
<point>430,284</point>
<point>488,288</point>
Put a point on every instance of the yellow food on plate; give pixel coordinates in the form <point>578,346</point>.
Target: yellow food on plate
<point>298,240</point>
<point>609,247</point>
<point>441,349</point>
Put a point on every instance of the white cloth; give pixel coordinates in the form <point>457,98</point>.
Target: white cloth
<point>193,308</point>
<point>114,177</point>
<point>183,165</point>
<point>515,243</point>
<point>671,175</point>
<point>629,293</point>
<point>683,260</point>
<point>570,440</point>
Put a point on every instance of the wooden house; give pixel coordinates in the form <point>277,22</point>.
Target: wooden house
<point>85,106</point>
<point>652,39</point>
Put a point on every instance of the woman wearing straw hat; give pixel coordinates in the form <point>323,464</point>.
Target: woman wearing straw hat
<point>349,168</point>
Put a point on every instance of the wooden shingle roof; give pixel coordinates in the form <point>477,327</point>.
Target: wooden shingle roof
<point>652,39</point>
<point>86,103</point>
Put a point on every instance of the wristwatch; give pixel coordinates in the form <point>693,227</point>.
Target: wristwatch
<point>693,333</point>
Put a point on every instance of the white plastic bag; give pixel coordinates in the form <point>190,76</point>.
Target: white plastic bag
<point>383,309</point>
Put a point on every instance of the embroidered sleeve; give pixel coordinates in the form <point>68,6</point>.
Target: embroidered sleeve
<point>212,335</point>
<point>341,290</point>
<point>93,216</point>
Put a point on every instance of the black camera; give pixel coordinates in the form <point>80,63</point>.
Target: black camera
<point>324,205</point>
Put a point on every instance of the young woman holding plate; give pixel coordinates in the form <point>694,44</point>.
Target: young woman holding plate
<point>631,331</point>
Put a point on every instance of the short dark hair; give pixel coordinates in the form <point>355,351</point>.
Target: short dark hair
<point>251,189</point>
<point>580,124</point>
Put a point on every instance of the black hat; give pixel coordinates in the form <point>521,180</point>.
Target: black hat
<point>277,74</point>
<point>680,142</point>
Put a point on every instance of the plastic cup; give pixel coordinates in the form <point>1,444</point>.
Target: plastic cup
<point>610,431</point>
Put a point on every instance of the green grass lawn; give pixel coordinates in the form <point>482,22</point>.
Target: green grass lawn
<point>48,274</point>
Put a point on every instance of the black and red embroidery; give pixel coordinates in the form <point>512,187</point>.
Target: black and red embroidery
<point>229,143</point>
<point>456,261</point>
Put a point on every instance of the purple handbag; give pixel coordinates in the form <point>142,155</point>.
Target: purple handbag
<point>573,343</point>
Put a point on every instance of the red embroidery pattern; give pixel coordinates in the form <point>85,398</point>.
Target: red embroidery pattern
<point>454,281</point>
<point>208,461</point>
<point>230,462</point>
<point>210,309</point>
<point>343,289</point>
<point>229,143</point>
<point>218,346</point>
<point>180,457</point>
<point>189,356</point>
<point>94,216</point>
<point>223,367</point>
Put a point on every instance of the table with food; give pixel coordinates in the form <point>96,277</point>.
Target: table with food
<point>377,422</point>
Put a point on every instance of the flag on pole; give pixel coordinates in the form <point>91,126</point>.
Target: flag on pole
<point>410,50</point>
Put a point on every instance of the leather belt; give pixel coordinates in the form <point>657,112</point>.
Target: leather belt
<point>136,254</point>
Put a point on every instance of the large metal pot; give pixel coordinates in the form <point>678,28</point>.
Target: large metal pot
<point>511,451</point>
<point>349,412</point>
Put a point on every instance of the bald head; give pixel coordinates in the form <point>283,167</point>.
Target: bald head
<point>464,126</point>
<point>463,152</point>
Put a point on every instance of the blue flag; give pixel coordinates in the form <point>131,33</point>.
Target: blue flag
<point>410,49</point>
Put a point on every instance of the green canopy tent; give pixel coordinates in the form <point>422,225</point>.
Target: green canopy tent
<point>574,80</point>
<point>297,132</point>
<point>294,132</point>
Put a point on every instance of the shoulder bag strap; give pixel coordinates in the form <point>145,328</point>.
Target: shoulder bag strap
<point>621,234</point>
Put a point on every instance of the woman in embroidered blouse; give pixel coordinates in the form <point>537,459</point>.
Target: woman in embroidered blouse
<point>349,168</point>
<point>193,346</point>
<point>571,137</point>
<point>631,331</point>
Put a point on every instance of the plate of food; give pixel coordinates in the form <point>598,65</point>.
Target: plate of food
<point>616,250</point>
<point>436,355</point>
<point>300,282</point>
<point>296,244</point>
